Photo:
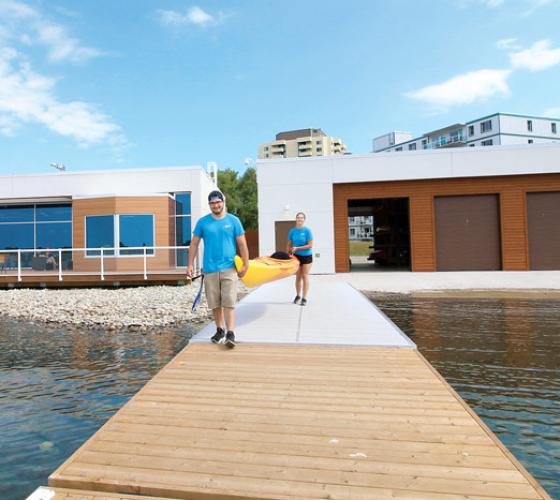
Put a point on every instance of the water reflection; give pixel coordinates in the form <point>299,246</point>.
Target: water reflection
<point>58,385</point>
<point>503,357</point>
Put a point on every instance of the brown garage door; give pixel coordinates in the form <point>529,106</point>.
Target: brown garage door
<point>543,214</point>
<point>467,233</point>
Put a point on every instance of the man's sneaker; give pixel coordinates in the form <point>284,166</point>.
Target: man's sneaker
<point>230,340</point>
<point>303,302</point>
<point>218,336</point>
<point>296,300</point>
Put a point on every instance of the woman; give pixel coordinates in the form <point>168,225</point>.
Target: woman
<point>300,243</point>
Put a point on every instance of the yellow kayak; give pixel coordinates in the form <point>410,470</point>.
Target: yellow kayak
<point>264,269</point>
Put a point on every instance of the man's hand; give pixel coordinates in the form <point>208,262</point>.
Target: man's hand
<point>243,271</point>
<point>190,271</point>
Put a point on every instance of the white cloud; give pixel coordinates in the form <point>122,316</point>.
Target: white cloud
<point>507,44</point>
<point>539,56</point>
<point>552,112</point>
<point>534,5</point>
<point>195,15</point>
<point>29,97</point>
<point>25,24</point>
<point>465,89</point>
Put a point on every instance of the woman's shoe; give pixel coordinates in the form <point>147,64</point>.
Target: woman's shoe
<point>303,302</point>
<point>296,300</point>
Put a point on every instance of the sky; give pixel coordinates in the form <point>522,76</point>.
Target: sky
<point>108,84</point>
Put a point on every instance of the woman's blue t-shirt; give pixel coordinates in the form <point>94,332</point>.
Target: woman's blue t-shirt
<point>219,237</point>
<point>300,237</point>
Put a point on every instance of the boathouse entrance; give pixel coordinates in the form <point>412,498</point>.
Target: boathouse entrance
<point>379,234</point>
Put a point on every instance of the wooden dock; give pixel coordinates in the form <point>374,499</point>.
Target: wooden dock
<point>293,421</point>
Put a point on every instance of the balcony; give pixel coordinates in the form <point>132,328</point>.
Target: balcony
<point>451,141</point>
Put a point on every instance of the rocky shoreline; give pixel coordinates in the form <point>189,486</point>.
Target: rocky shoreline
<point>132,308</point>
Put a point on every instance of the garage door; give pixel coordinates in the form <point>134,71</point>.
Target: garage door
<point>543,215</point>
<point>467,233</point>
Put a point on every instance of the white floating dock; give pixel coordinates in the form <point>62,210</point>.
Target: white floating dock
<point>336,314</point>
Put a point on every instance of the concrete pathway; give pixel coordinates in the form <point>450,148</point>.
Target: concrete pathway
<point>407,282</point>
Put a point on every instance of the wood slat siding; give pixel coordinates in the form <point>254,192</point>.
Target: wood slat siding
<point>159,206</point>
<point>512,191</point>
<point>297,422</point>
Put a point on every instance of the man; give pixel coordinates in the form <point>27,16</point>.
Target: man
<point>220,232</point>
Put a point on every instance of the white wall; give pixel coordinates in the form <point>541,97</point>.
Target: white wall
<point>287,186</point>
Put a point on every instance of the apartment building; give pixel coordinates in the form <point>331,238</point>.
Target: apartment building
<point>301,143</point>
<point>491,130</point>
<point>360,228</point>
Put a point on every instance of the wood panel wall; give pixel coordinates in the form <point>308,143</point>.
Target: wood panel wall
<point>512,191</point>
<point>159,206</point>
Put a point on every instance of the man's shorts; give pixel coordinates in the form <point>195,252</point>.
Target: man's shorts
<point>221,288</point>
<point>304,259</point>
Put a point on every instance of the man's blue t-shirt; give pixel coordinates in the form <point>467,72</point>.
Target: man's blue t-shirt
<point>299,238</point>
<point>219,241</point>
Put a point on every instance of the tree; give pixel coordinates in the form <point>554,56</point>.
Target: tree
<point>241,195</point>
<point>248,212</point>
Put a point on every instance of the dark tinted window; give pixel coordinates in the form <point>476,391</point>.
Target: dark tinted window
<point>136,231</point>
<point>54,235</point>
<point>183,203</point>
<point>183,227</point>
<point>16,236</point>
<point>100,233</point>
<point>16,214</point>
<point>56,213</point>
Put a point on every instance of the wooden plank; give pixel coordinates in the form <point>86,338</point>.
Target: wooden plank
<point>47,493</point>
<point>292,422</point>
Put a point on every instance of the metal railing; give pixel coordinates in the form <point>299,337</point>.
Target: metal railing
<point>45,261</point>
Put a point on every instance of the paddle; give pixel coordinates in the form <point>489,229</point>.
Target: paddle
<point>199,294</point>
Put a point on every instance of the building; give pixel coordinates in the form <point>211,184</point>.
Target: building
<point>78,219</point>
<point>302,143</point>
<point>436,210</point>
<point>360,228</point>
<point>494,130</point>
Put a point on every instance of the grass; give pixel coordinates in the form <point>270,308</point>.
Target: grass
<point>360,248</point>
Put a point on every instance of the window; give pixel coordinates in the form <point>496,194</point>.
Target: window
<point>424,143</point>
<point>471,145</point>
<point>319,150</point>
<point>183,226</point>
<point>100,233</point>
<point>530,125</point>
<point>485,126</point>
<point>412,147</point>
<point>530,141</point>
<point>136,231</point>
<point>54,235</point>
<point>318,142</point>
<point>266,148</point>
<point>266,155</point>
<point>553,128</point>
<point>183,204</point>
<point>36,226</point>
<point>16,214</point>
<point>471,130</point>
<point>398,149</point>
<point>488,142</point>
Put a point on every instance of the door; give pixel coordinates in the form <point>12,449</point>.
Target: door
<point>543,217</point>
<point>467,233</point>
<point>282,228</point>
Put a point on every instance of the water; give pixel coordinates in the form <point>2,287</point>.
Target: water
<point>58,385</point>
<point>503,357</point>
